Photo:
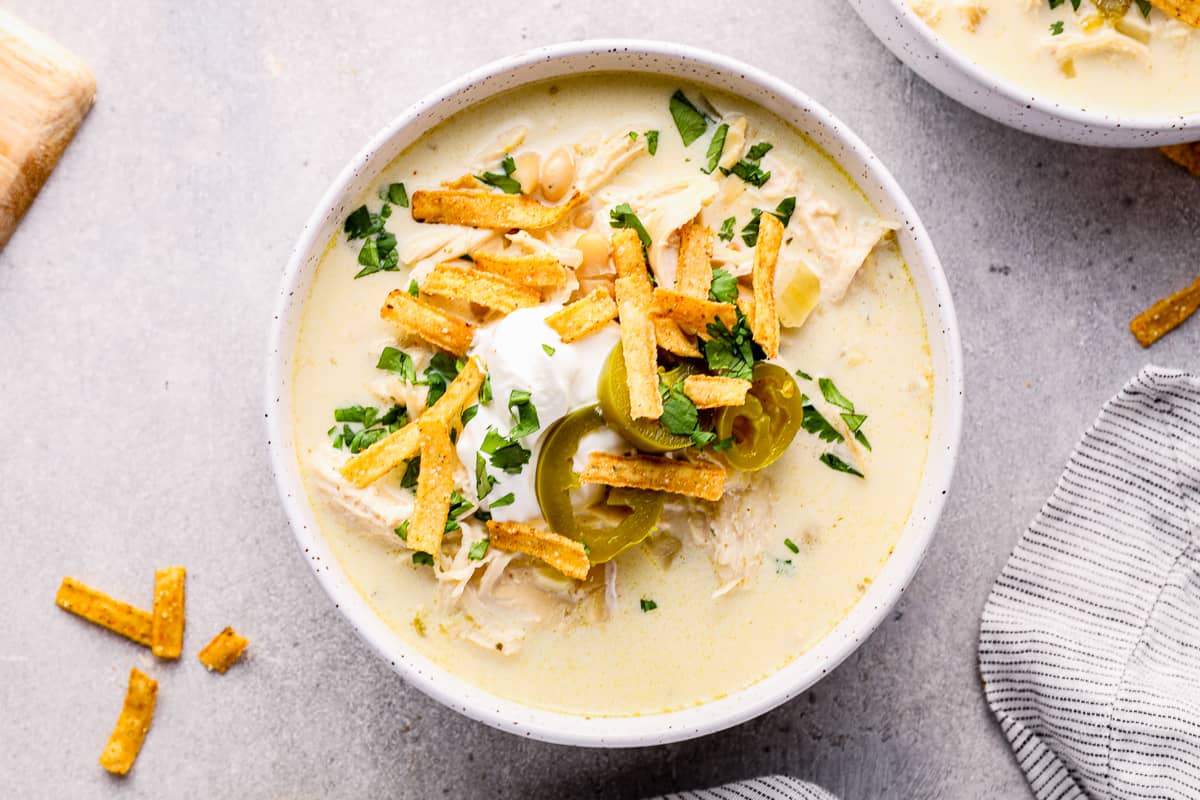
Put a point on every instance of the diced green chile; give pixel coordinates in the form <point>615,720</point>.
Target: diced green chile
<point>556,478</point>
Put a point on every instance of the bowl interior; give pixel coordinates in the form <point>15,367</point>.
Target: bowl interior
<point>845,148</point>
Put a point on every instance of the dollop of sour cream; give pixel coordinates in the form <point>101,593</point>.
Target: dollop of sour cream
<point>522,353</point>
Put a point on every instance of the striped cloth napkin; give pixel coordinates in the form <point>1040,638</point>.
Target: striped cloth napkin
<point>1090,643</point>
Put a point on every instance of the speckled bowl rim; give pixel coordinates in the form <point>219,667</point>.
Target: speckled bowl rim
<point>1116,130</point>
<point>688,64</point>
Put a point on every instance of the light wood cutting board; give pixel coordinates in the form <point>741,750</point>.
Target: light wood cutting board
<point>45,92</point>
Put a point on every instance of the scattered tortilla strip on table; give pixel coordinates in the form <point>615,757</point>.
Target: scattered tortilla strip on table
<point>486,209</point>
<point>584,317</point>
<point>765,327</point>
<point>628,256</point>
<point>166,638</point>
<point>403,444</point>
<point>706,481</point>
<point>434,484</point>
<point>693,275</point>
<point>483,288</point>
<point>417,317</point>
<point>715,391</point>
<point>1187,11</point>
<point>95,606</point>
<point>1185,155</point>
<point>1166,315</point>
<point>566,555</point>
<point>225,648</point>
<point>692,314</point>
<point>639,348</point>
<point>535,270</point>
<point>670,337</point>
<point>132,725</point>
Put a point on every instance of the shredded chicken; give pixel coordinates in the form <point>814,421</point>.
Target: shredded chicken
<point>382,506</point>
<point>731,530</point>
<point>841,246</point>
<point>504,143</point>
<point>567,256</point>
<point>614,154</point>
<point>1103,42</point>
<point>735,143</point>
<point>664,210</point>
<point>393,391</point>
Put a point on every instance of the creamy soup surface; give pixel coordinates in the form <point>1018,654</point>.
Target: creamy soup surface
<point>1114,56</point>
<point>721,594</point>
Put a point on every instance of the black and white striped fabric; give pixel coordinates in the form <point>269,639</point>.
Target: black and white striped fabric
<point>772,787</point>
<point>1090,643</point>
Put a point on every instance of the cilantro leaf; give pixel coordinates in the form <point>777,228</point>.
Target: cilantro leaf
<point>783,212</point>
<point>648,605</point>
<point>726,232</point>
<point>833,396</point>
<point>469,413</point>
<point>724,287</point>
<point>504,454</point>
<point>412,471</point>
<point>679,415</point>
<point>358,223</point>
<point>813,422</point>
<point>689,121</point>
<point>623,217</point>
<point>402,531</point>
<point>715,147</point>
<point>505,182</point>
<point>398,362</point>
<point>651,142</point>
<point>791,545</point>
<point>413,289</point>
<point>478,550</point>
<point>504,500</point>
<point>422,559</point>
<point>442,369</point>
<point>1143,6</point>
<point>548,350</point>
<point>521,407</point>
<point>731,353</point>
<point>750,172</point>
<point>835,463</point>
<point>1056,27</point>
<point>395,193</point>
<point>802,374</point>
<point>759,150</point>
<point>485,390</point>
<point>483,481</point>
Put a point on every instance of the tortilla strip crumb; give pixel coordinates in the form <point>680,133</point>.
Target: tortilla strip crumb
<point>715,391</point>
<point>639,348</point>
<point>706,481</point>
<point>1186,11</point>
<point>566,555</point>
<point>97,607</point>
<point>535,270</point>
<point>479,208</point>
<point>494,292</point>
<point>693,275</point>
<point>404,443</point>
<point>136,714</point>
<point>1166,315</point>
<point>167,633</point>
<point>417,317</point>
<point>434,485</point>
<point>765,327</point>
<point>693,314</point>
<point>225,648</point>
<point>583,317</point>
<point>1185,155</point>
<point>670,337</point>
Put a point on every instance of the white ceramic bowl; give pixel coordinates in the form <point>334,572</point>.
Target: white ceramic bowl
<point>914,43</point>
<point>859,162</point>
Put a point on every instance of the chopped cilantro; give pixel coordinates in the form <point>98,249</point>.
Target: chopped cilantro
<point>633,135</point>
<point>791,545</point>
<point>504,454</point>
<point>813,422</point>
<point>478,550</point>
<point>424,559</point>
<point>724,287</point>
<point>715,147</point>
<point>722,444</point>
<point>759,150</point>
<point>1143,6</point>
<point>548,350</point>
<point>802,374</point>
<point>485,390</point>
<point>412,471</point>
<point>750,172</point>
<point>679,415</point>
<point>378,252</point>
<point>1056,27</point>
<point>689,121</point>
<point>458,506</point>
<point>503,500</point>
<point>623,217</point>
<point>505,182</point>
<point>651,142</point>
<point>442,369</point>
<point>524,412</point>
<point>783,212</point>
<point>731,353</point>
<point>413,289</point>
<point>358,224</point>
<point>374,426</point>
<point>726,232</point>
<point>483,481</point>
<point>396,194</point>
<point>833,396</point>
<point>402,531</point>
<point>648,605</point>
<point>468,414</point>
<point>835,463</point>
<point>399,362</point>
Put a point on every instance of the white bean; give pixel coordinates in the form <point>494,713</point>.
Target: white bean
<point>557,174</point>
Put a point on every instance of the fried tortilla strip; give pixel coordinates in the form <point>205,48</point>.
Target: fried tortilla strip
<point>136,714</point>
<point>400,445</point>
<point>95,606</point>
<point>1166,315</point>
<point>483,288</point>
<point>1187,11</point>
<point>583,317</point>
<point>485,209</point>
<point>639,349</point>
<point>628,256</point>
<point>535,270</point>
<point>225,648</point>
<point>166,637</point>
<point>434,484</point>
<point>693,275</point>
<point>715,391</point>
<point>418,318</point>
<point>565,555</point>
<point>765,327</point>
<point>706,481</point>
<point>691,313</point>
<point>670,337</point>
<point>1185,155</point>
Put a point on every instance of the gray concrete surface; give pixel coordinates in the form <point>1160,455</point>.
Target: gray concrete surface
<point>134,303</point>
